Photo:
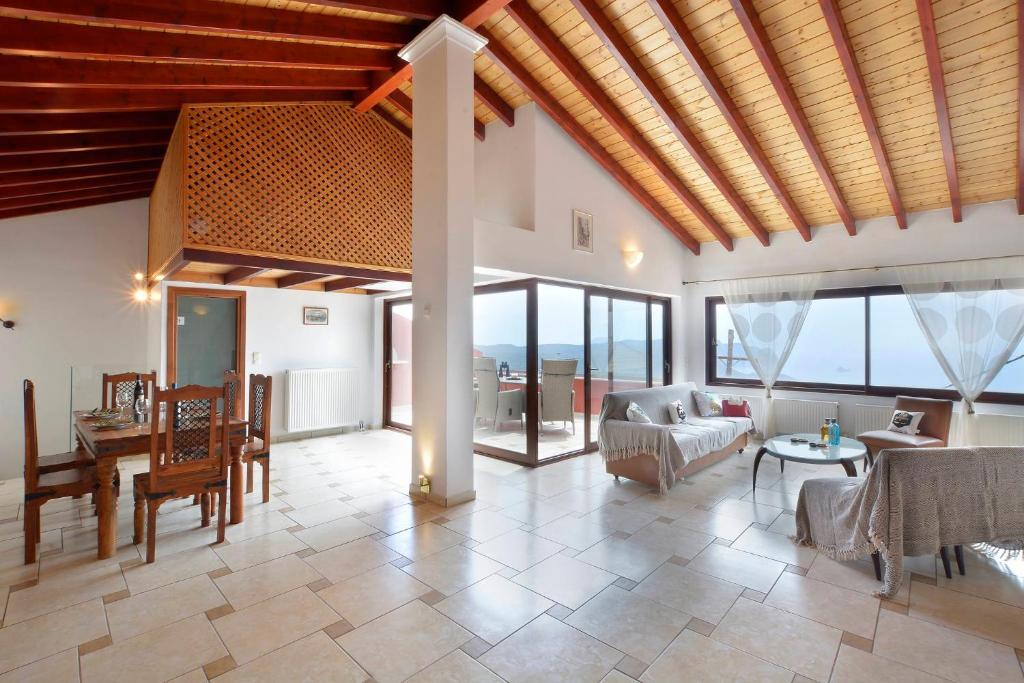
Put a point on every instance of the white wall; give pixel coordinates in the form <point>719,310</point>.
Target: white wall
<point>66,281</point>
<point>992,229</point>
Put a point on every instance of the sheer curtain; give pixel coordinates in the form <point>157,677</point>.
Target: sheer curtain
<point>972,314</point>
<point>768,314</point>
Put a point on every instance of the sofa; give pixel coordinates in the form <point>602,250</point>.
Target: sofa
<point>659,453</point>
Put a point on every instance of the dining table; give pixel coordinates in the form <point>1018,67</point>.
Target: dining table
<point>107,445</point>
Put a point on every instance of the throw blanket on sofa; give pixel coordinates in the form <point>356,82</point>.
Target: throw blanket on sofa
<point>913,502</point>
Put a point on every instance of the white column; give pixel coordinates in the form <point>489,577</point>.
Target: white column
<point>442,259</point>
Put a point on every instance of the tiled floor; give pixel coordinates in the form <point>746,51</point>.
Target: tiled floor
<point>555,574</point>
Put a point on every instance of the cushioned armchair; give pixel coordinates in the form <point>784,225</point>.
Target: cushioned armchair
<point>933,430</point>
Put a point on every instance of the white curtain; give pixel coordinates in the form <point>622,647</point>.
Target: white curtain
<point>768,314</point>
<point>972,314</point>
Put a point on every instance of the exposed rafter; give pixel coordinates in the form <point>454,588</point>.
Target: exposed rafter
<point>64,160</point>
<point>72,204</point>
<point>46,124</point>
<point>50,175</point>
<point>752,26</point>
<point>394,122</point>
<point>573,129</point>
<point>493,101</point>
<point>242,273</point>
<point>12,203</point>
<point>296,279</point>
<point>347,283</point>
<point>837,27</point>
<point>615,43</point>
<point>72,142</point>
<point>411,9</point>
<point>19,100</point>
<point>690,49</point>
<point>564,60</point>
<point>40,189</point>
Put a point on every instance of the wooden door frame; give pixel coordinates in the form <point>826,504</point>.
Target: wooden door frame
<point>172,328</point>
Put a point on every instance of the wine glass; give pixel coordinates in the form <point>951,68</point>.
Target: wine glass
<point>142,406</point>
<point>122,401</point>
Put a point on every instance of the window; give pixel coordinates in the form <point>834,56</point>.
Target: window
<point>856,341</point>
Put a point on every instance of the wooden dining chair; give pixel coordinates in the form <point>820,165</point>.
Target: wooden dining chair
<point>123,384</point>
<point>234,406</point>
<point>258,447</point>
<point>192,459</point>
<point>42,487</point>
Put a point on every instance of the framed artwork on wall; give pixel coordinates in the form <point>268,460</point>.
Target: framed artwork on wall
<point>582,231</point>
<point>313,315</point>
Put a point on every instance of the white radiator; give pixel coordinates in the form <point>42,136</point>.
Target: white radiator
<point>1000,430</point>
<point>791,415</point>
<point>321,398</point>
<point>868,418</point>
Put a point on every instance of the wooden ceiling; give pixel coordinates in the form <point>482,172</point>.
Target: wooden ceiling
<point>724,118</point>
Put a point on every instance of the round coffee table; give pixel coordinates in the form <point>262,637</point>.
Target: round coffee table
<point>846,453</point>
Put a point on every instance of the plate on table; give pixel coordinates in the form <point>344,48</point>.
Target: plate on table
<point>106,425</point>
<point>99,414</point>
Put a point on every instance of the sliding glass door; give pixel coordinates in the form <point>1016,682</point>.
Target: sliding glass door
<point>398,364</point>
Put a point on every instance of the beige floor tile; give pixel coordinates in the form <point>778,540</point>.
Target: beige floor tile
<point>841,608</point>
<point>774,546</point>
<point>535,512</point>
<point>263,581</point>
<point>748,510</point>
<point>565,580</point>
<point>70,580</point>
<point>784,524</point>
<point>989,577</point>
<point>691,592</point>
<point>712,523</point>
<point>161,606</point>
<point>258,525</point>
<point>351,559</point>
<point>449,571</point>
<point>635,625</point>
<point>493,608</point>
<point>857,666</point>
<point>519,549</point>
<point>425,636</point>
<point>676,540</point>
<point>548,650</point>
<point>693,658</point>
<point>786,501</point>
<point>403,517</point>
<point>976,616</point>
<point>4,591</point>
<point>334,533</point>
<point>194,676</point>
<point>380,501</point>
<point>616,676</point>
<point>483,526</point>
<point>423,540</point>
<point>739,567</point>
<point>319,513</point>
<point>239,556</point>
<point>576,533</point>
<point>59,668</point>
<point>156,655</point>
<point>309,497</point>
<point>621,518</point>
<point>943,651</point>
<point>457,666</point>
<point>625,558</point>
<point>858,576</point>
<point>171,568</point>
<point>266,626</point>
<point>315,658</point>
<point>51,633</point>
<point>365,597</point>
<point>785,639</point>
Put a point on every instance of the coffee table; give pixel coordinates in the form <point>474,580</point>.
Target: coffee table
<point>846,453</point>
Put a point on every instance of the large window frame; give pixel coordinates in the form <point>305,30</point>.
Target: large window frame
<point>867,388</point>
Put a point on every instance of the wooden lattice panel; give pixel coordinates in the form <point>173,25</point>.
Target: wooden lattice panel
<point>316,182</point>
<point>167,204</point>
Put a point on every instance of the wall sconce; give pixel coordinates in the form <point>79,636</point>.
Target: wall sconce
<point>632,257</point>
<point>7,324</point>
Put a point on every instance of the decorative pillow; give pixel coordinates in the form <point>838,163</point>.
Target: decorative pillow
<point>708,404</point>
<point>635,413</point>
<point>676,412</point>
<point>730,409</point>
<point>905,422</point>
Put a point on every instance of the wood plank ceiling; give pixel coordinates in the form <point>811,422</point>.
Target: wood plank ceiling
<point>724,118</point>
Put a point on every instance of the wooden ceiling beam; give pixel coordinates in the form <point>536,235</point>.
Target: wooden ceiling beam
<point>410,9</point>
<point>616,44</point>
<point>52,72</point>
<point>50,175</point>
<point>1020,110</point>
<point>11,203</point>
<point>200,255</point>
<point>755,31</point>
<point>63,206</point>
<point>51,39</point>
<point>347,283</point>
<point>296,279</point>
<point>563,59</point>
<point>525,80</point>
<point>50,124</point>
<point>242,273</point>
<point>393,121</point>
<point>837,27</point>
<point>688,46</point>
<point>218,17</point>
<point>91,157</point>
<point>19,100</point>
<point>404,104</point>
<point>39,189</point>
<point>73,142</point>
<point>493,101</point>
<point>472,13</point>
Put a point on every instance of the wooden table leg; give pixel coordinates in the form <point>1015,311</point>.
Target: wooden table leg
<point>106,507</point>
<point>237,485</point>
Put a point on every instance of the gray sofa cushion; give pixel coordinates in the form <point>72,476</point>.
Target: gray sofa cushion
<point>654,401</point>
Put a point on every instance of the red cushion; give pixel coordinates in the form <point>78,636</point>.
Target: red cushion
<point>730,409</point>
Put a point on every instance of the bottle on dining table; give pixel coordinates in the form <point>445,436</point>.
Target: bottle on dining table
<point>138,397</point>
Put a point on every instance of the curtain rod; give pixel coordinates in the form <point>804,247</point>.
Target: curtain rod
<point>853,270</point>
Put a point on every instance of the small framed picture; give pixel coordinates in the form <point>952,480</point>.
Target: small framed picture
<point>582,231</point>
<point>312,315</point>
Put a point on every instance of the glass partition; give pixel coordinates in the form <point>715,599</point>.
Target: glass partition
<point>398,366</point>
<point>561,357</point>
